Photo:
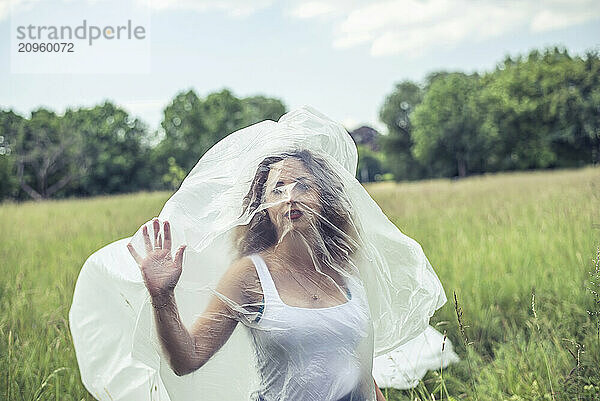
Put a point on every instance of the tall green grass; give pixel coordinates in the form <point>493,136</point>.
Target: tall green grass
<point>494,240</point>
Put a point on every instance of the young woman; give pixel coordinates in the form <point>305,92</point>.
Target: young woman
<point>295,267</point>
<point>270,229</point>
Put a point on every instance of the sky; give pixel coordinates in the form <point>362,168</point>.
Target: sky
<point>341,57</point>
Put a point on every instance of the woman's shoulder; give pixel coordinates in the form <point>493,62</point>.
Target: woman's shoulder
<point>241,269</point>
<point>241,277</point>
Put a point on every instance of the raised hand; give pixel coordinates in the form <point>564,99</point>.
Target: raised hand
<point>161,273</point>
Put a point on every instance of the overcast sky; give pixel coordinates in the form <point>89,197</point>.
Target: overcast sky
<point>342,57</point>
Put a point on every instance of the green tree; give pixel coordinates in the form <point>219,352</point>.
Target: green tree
<point>543,110</point>
<point>258,108</point>
<point>434,76</point>
<point>396,115</point>
<point>574,97</point>
<point>192,125</point>
<point>174,175</point>
<point>10,126</point>
<point>446,127</point>
<point>371,164</point>
<point>114,148</point>
<point>48,156</point>
<point>590,115</point>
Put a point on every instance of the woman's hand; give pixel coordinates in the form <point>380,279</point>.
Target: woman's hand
<point>161,273</point>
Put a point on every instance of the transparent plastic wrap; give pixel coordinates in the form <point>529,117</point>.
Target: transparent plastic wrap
<point>269,275</point>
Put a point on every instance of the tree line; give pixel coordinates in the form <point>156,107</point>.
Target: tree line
<point>104,150</point>
<point>536,111</point>
<point>541,110</point>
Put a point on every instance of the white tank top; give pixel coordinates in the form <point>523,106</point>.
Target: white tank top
<point>310,354</point>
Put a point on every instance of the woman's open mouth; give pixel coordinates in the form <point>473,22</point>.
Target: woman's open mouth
<point>294,214</point>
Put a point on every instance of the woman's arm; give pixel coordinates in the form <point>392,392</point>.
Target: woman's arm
<point>378,393</point>
<point>189,350</point>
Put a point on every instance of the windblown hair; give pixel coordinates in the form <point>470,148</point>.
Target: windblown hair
<point>334,223</point>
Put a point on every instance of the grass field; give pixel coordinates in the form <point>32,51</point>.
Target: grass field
<point>493,240</point>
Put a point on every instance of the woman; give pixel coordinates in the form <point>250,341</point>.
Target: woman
<point>278,235</point>
<point>304,274</point>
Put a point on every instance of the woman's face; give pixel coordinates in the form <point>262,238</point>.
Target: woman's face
<point>291,195</point>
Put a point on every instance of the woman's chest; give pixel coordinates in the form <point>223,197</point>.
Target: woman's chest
<point>309,336</point>
<point>314,290</point>
<point>346,324</point>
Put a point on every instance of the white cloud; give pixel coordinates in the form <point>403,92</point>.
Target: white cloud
<point>312,9</point>
<point>407,27</point>
<point>415,27</point>
<point>233,8</point>
<point>4,8</point>
<point>352,39</point>
<point>9,6</point>
<point>548,20</point>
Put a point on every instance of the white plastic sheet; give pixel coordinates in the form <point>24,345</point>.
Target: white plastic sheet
<point>270,274</point>
<point>403,367</point>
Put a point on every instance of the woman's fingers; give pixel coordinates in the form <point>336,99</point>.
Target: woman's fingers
<point>179,256</point>
<point>147,239</point>
<point>156,226</point>
<point>136,256</point>
<point>160,241</point>
<point>167,231</point>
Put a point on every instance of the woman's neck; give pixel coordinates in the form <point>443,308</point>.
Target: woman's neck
<point>293,250</point>
<point>296,249</point>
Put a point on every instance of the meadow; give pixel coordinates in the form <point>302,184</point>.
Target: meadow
<point>515,248</point>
